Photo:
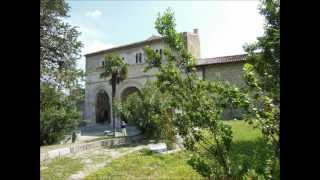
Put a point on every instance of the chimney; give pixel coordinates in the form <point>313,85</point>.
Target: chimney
<point>195,31</point>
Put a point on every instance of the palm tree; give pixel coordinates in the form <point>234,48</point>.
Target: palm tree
<point>115,67</point>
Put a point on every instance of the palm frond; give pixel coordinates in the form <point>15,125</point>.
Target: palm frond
<point>114,66</point>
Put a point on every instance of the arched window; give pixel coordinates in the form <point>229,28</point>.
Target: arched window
<point>136,57</point>
<point>140,57</point>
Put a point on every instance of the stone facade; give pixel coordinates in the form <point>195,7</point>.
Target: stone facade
<point>231,72</point>
<point>136,76</point>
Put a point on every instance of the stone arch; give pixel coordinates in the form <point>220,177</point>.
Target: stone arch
<point>102,107</point>
<point>128,91</point>
<point>128,84</point>
<point>127,88</point>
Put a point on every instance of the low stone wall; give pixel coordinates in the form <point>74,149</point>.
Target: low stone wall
<point>88,146</point>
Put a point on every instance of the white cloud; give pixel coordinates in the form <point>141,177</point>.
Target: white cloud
<point>237,24</point>
<point>90,33</point>
<point>93,40</point>
<point>95,45</point>
<point>94,13</point>
<point>90,46</point>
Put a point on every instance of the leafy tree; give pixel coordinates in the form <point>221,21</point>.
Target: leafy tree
<point>58,115</point>
<point>196,104</point>
<point>59,50</point>
<point>59,47</point>
<point>76,96</point>
<point>150,112</point>
<point>262,75</point>
<point>115,68</point>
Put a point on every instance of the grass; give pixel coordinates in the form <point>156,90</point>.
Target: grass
<point>242,131</point>
<point>100,158</point>
<point>249,151</point>
<point>61,168</point>
<point>147,165</point>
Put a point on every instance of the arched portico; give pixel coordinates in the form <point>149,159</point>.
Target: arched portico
<point>127,86</point>
<point>128,91</point>
<point>125,90</point>
<point>102,107</point>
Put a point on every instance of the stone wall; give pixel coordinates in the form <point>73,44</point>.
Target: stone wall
<point>136,77</point>
<point>231,72</point>
<point>76,148</point>
<point>193,44</point>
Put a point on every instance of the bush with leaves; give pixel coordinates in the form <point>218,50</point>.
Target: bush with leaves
<point>58,115</point>
<point>59,51</point>
<point>262,76</point>
<point>149,111</point>
<point>196,104</point>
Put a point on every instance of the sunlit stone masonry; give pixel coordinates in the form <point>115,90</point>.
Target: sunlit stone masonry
<point>98,107</point>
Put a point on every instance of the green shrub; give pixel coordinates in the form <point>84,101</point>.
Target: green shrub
<point>55,123</point>
<point>82,123</point>
<point>58,115</point>
<point>252,174</point>
<point>149,111</point>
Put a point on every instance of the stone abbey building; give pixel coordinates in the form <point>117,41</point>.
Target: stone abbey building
<point>98,107</point>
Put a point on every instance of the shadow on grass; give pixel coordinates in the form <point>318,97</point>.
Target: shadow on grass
<point>148,152</point>
<point>250,155</point>
<point>244,156</point>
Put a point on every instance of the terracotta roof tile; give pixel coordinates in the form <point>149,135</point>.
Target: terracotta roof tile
<point>221,59</point>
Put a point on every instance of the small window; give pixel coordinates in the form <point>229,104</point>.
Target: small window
<point>102,63</point>
<point>161,53</point>
<point>122,58</point>
<point>140,57</point>
<point>156,50</point>
<point>136,57</point>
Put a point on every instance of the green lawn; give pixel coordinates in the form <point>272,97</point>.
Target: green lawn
<point>147,165</point>
<point>249,151</point>
<point>60,168</point>
<point>242,131</point>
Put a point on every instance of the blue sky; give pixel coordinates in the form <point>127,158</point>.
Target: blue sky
<point>224,26</point>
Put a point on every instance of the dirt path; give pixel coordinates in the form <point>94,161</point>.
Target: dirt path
<point>98,158</point>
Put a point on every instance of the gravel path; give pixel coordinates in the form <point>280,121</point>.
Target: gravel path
<point>98,158</point>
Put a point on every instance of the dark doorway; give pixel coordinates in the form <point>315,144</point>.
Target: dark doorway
<point>103,114</point>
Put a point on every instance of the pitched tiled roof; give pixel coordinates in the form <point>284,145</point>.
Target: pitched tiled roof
<point>149,40</point>
<point>153,37</point>
<point>221,60</point>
